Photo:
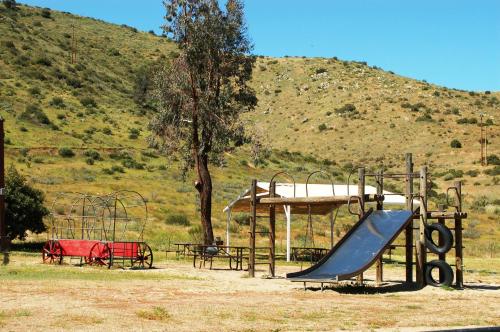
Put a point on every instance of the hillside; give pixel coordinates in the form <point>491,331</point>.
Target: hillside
<point>328,112</point>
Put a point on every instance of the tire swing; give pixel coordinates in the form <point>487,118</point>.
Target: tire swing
<point>446,236</point>
<point>444,270</point>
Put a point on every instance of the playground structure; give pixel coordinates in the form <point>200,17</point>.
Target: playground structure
<point>381,226</point>
<point>97,230</point>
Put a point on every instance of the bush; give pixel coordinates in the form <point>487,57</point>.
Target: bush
<point>493,171</point>
<point>177,219</point>
<point>242,219</point>
<point>348,110</point>
<point>44,61</point>
<point>455,144</point>
<point>92,154</point>
<point>74,82</point>
<point>321,70</point>
<point>322,127</point>
<point>46,13</point>
<point>134,133</point>
<point>34,114</point>
<point>66,152</point>
<point>10,4</point>
<point>34,91</point>
<point>107,131</point>
<point>57,102</point>
<point>493,160</point>
<point>88,102</point>
<point>24,207</point>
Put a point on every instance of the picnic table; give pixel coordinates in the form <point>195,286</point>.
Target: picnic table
<point>182,249</point>
<point>311,254</point>
<point>209,252</point>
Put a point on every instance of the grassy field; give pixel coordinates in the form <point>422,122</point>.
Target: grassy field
<point>176,296</point>
<point>88,107</point>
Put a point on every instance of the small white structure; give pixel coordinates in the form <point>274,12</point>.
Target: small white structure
<point>290,190</point>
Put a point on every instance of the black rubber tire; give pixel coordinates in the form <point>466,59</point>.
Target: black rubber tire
<point>445,233</point>
<point>444,268</point>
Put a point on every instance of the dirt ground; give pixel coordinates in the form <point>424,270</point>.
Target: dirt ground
<point>177,297</point>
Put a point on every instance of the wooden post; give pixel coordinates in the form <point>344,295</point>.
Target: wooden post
<point>272,232</point>
<point>459,274</point>
<point>380,206</point>
<point>421,250</point>
<point>332,225</point>
<point>409,228</point>
<point>253,219</point>
<point>361,194</point>
<point>441,241</point>
<point>3,227</point>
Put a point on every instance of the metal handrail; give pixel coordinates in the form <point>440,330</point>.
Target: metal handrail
<point>289,177</point>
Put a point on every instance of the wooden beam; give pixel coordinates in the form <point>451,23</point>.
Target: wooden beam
<point>459,274</point>
<point>380,206</point>
<point>422,252</point>
<point>253,219</point>
<point>409,228</point>
<point>361,194</point>
<point>322,200</point>
<point>441,242</point>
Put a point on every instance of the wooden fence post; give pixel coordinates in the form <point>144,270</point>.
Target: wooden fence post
<point>272,232</point>
<point>458,240</point>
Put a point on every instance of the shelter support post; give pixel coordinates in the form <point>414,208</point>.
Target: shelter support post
<point>253,220</point>
<point>459,273</point>
<point>272,232</point>
<point>288,215</point>
<point>361,194</point>
<point>409,228</point>
<point>332,225</point>
<point>228,227</point>
<point>421,251</point>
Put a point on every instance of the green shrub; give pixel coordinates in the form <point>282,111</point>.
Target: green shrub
<point>66,152</point>
<point>34,91</point>
<point>107,131</point>
<point>10,4</point>
<point>34,114</point>
<point>242,219</point>
<point>455,144</point>
<point>322,127</point>
<point>493,159</point>
<point>25,208</point>
<point>348,110</point>
<point>57,102</point>
<point>88,102</point>
<point>321,70</point>
<point>92,154</point>
<point>46,13</point>
<point>178,219</point>
<point>493,171</point>
<point>134,133</point>
<point>90,161</point>
<point>44,61</point>
<point>74,82</point>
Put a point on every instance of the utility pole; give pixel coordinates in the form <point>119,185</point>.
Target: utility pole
<point>3,227</point>
<point>481,140</point>
<point>73,46</point>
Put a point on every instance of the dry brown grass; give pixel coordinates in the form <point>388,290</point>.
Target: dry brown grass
<point>189,299</point>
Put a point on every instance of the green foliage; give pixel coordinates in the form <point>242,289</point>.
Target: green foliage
<point>455,144</point>
<point>242,219</point>
<point>348,110</point>
<point>10,4</point>
<point>493,159</point>
<point>467,121</point>
<point>322,127</point>
<point>57,102</point>
<point>46,13</point>
<point>66,152</point>
<point>493,171</point>
<point>34,114</point>
<point>35,91</point>
<point>178,219</point>
<point>24,207</point>
<point>44,61</point>
<point>88,102</point>
<point>107,131</point>
<point>92,154</point>
<point>142,85</point>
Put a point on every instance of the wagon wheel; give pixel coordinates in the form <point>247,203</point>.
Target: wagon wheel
<point>99,255</point>
<point>52,252</point>
<point>144,257</point>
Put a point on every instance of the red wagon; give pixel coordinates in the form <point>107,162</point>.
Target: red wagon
<point>91,230</point>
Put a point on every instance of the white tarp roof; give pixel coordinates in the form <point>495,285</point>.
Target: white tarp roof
<point>318,190</point>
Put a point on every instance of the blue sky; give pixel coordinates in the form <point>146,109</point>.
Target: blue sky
<point>454,43</point>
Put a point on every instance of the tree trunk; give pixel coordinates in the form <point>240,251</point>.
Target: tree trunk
<point>204,187</point>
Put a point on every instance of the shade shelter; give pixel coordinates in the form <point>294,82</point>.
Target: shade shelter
<point>302,199</point>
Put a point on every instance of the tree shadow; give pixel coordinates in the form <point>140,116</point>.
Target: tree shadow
<point>368,289</point>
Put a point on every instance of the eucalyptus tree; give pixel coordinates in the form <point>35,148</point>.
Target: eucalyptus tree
<point>201,92</point>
